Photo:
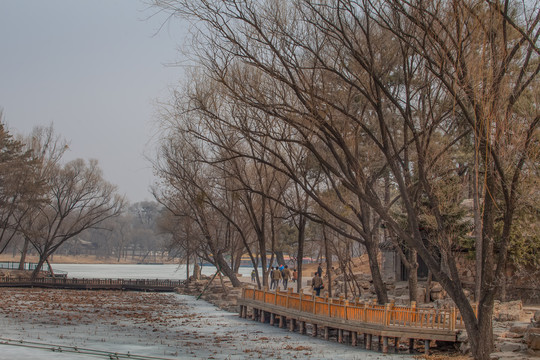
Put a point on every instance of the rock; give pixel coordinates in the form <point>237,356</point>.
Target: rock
<point>506,356</point>
<point>519,328</point>
<point>511,335</point>
<point>436,295</point>
<point>533,341</point>
<point>402,300</point>
<point>421,295</point>
<point>508,311</point>
<point>364,284</point>
<point>436,287</point>
<point>509,346</point>
<point>464,347</point>
<point>536,318</point>
<point>463,336</point>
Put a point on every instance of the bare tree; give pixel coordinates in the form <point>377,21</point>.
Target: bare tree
<point>78,199</point>
<point>372,87</point>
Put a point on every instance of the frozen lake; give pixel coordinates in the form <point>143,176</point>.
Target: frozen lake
<point>149,326</point>
<point>134,271</point>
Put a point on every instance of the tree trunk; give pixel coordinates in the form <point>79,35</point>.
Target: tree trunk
<point>39,265</point>
<point>428,286</point>
<point>477,232</point>
<point>378,284</point>
<point>224,266</point>
<point>24,251</point>
<point>328,262</point>
<point>300,252</point>
<point>187,266</point>
<point>279,257</point>
<point>413,275</point>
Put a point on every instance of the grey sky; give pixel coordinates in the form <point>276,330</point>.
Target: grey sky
<point>94,69</point>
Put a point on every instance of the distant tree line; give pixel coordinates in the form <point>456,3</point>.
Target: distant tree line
<point>352,122</point>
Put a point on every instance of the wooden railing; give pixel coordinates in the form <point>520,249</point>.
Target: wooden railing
<point>388,315</point>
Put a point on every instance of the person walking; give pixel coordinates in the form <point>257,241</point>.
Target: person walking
<point>276,276</point>
<point>317,283</point>
<point>253,276</point>
<point>286,275</point>
<point>319,269</point>
<point>272,282</point>
<point>294,276</point>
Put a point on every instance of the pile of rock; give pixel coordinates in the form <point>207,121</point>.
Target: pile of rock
<point>360,284</point>
<point>531,337</point>
<point>219,292</point>
<point>514,336</point>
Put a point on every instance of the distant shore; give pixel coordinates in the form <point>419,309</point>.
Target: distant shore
<point>308,269</point>
<point>87,259</point>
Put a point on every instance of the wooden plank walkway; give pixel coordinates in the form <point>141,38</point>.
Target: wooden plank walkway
<point>386,322</point>
<point>156,285</point>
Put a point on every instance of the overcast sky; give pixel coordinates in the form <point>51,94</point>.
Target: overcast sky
<point>94,69</point>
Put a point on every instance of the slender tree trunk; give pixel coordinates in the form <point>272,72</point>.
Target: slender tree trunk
<point>37,270</point>
<point>187,266</point>
<point>477,232</point>
<point>224,266</point>
<point>24,251</point>
<point>413,275</point>
<point>428,286</point>
<point>51,270</point>
<point>300,252</point>
<point>378,284</point>
<point>279,257</point>
<point>328,255</point>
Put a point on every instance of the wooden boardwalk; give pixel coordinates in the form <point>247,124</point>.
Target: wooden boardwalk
<point>156,285</point>
<point>388,323</point>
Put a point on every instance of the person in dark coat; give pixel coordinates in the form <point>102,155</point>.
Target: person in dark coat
<point>286,275</point>
<point>317,284</point>
<point>319,270</point>
<point>272,282</point>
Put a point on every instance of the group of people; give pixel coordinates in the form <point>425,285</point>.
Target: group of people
<point>284,274</point>
<point>279,274</point>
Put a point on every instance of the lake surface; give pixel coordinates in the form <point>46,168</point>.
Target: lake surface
<point>134,271</point>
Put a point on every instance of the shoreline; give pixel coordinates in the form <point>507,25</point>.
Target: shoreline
<point>85,259</point>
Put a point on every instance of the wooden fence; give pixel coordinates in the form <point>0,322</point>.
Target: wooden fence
<point>94,284</point>
<point>384,321</point>
<point>386,315</point>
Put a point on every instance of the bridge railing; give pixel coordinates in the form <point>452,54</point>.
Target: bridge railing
<point>387,315</point>
<point>101,282</point>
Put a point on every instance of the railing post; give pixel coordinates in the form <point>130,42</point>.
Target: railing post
<point>453,319</point>
<point>413,312</point>
<point>345,309</point>
<point>387,313</point>
<point>289,291</point>
<point>328,304</point>
<point>364,314</point>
